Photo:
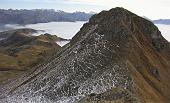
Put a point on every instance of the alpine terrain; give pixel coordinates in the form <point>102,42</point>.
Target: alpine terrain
<point>117,57</point>
<point>24,16</point>
<point>21,51</point>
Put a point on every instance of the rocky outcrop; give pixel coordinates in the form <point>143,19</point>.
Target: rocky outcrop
<point>117,57</point>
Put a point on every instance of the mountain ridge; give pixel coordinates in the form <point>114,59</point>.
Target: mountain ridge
<point>21,51</point>
<point>24,16</point>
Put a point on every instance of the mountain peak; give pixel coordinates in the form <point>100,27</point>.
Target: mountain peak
<point>119,10</point>
<point>119,24</point>
<point>117,13</point>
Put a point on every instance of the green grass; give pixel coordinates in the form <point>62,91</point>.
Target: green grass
<point>22,53</point>
<point>8,62</point>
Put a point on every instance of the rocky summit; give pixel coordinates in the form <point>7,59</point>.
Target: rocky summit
<point>117,57</point>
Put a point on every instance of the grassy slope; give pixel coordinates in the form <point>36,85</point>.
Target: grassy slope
<point>20,56</point>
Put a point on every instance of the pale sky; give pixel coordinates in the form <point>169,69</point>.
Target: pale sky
<point>153,9</point>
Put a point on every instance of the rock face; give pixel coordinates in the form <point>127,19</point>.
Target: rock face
<point>117,57</point>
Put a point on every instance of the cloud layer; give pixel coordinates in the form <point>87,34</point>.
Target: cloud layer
<point>152,9</point>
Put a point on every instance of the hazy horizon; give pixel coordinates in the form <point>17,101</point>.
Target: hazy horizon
<point>153,9</point>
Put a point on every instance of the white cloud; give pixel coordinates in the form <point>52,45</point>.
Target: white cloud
<point>152,9</point>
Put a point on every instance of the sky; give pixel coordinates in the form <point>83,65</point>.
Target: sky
<point>153,9</point>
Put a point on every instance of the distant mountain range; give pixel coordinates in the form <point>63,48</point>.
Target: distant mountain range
<point>34,16</point>
<point>24,16</point>
<point>162,21</point>
<point>159,21</point>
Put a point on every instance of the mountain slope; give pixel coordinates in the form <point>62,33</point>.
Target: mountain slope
<point>20,44</point>
<point>21,52</point>
<point>117,57</point>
